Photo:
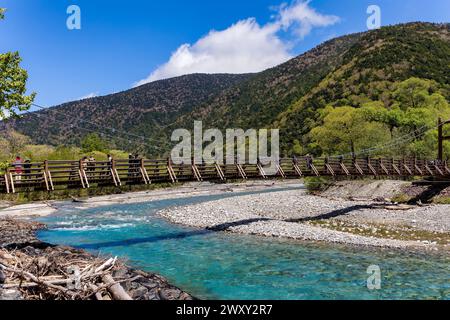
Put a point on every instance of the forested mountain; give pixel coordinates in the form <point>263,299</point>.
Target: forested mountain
<point>141,111</point>
<point>348,94</point>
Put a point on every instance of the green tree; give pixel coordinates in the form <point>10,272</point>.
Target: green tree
<point>13,81</point>
<point>93,142</point>
<point>414,93</point>
<point>345,129</point>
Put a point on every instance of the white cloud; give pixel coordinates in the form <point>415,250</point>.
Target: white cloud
<point>300,17</point>
<point>245,46</point>
<point>88,96</point>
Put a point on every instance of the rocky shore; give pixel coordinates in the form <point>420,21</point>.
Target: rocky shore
<point>33,270</point>
<point>298,215</point>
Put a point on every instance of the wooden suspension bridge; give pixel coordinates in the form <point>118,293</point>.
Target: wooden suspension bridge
<point>51,175</point>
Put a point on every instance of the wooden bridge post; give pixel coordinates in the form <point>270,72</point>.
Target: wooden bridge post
<point>48,177</point>
<point>112,170</point>
<point>11,180</point>
<point>446,168</point>
<point>441,138</point>
<point>394,166</point>
<point>296,167</point>
<point>260,169</point>
<point>240,169</point>
<point>407,168</point>
<point>328,167</point>
<point>195,170</point>
<point>310,165</point>
<point>356,165</point>
<point>343,167</point>
<point>6,181</point>
<point>370,167</point>
<point>144,173</point>
<point>83,176</point>
<point>280,170</point>
<point>219,170</point>
<point>172,175</point>
<point>416,167</point>
<point>383,167</point>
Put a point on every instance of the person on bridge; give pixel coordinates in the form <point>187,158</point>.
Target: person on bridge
<point>109,163</point>
<point>18,169</point>
<point>27,169</point>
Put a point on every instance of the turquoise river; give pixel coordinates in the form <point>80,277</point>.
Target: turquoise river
<point>217,265</point>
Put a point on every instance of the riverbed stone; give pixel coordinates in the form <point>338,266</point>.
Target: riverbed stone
<point>10,295</point>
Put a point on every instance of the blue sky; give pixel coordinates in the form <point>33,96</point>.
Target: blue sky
<point>123,43</point>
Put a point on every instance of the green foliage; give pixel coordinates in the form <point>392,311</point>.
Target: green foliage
<point>399,74</point>
<point>3,166</point>
<point>345,130</point>
<point>13,81</point>
<point>402,128</point>
<point>93,142</point>
<point>317,184</point>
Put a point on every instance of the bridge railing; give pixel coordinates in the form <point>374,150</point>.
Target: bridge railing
<point>47,175</point>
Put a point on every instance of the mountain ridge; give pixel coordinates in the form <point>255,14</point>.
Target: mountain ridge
<point>348,70</point>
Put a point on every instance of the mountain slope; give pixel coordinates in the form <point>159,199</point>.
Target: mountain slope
<point>257,101</point>
<point>370,71</point>
<point>346,71</point>
<point>154,104</point>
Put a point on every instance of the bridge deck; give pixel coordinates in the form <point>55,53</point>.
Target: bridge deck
<point>51,175</point>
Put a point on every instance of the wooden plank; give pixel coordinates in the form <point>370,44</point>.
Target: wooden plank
<point>85,178</point>
<point>383,167</point>
<point>50,179</point>
<point>113,175</point>
<point>281,171</point>
<point>81,179</point>
<point>6,183</point>
<point>197,174</point>
<point>314,169</point>
<point>439,170</point>
<point>11,181</point>
<point>358,168</point>
<point>117,177</point>
<point>220,172</point>
<point>447,169</point>
<point>46,181</point>
<point>418,170</point>
<point>241,171</point>
<point>261,171</point>
<point>394,166</point>
<point>329,169</point>
<point>372,169</point>
<point>298,170</point>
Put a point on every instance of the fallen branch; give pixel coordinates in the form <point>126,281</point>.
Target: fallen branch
<point>116,289</point>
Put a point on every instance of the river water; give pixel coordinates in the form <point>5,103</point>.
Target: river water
<point>215,265</point>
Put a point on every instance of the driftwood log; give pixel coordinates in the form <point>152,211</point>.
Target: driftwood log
<point>115,289</point>
<point>32,270</point>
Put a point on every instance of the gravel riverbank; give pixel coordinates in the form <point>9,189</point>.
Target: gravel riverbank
<point>192,189</point>
<point>297,215</point>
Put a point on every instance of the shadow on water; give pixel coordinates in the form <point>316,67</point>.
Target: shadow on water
<point>171,236</point>
<point>128,242</point>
